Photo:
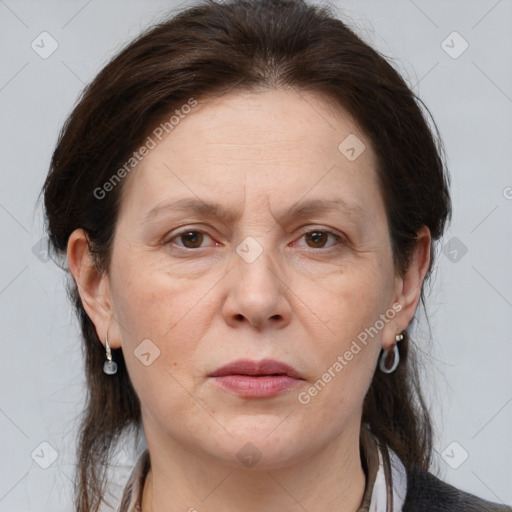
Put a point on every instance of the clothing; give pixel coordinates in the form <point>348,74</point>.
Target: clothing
<point>429,494</point>
<point>389,487</point>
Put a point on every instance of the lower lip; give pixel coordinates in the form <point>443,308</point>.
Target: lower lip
<point>256,387</point>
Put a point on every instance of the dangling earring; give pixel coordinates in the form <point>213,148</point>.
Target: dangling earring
<point>110,367</point>
<point>386,355</point>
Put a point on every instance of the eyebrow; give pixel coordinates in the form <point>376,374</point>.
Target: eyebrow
<point>298,210</point>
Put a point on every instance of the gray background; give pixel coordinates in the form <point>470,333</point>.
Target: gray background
<point>468,359</point>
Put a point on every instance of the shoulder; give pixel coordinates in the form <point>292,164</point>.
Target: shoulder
<point>427,493</point>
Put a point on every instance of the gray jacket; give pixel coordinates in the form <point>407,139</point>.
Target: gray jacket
<point>426,493</point>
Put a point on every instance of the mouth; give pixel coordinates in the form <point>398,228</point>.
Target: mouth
<point>256,379</point>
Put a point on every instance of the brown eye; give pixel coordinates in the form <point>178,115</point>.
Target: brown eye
<point>318,239</point>
<point>191,239</point>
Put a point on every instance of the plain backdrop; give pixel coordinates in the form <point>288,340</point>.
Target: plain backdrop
<point>455,54</point>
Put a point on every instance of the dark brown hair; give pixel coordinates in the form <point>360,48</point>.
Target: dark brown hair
<point>212,48</point>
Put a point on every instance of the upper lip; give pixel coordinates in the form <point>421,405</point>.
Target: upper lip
<point>263,367</point>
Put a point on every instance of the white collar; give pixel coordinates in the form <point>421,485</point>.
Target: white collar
<point>394,475</point>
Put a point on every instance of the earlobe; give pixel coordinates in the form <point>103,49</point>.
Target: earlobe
<point>93,284</point>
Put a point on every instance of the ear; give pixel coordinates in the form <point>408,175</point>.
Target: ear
<point>408,288</point>
<point>93,287</point>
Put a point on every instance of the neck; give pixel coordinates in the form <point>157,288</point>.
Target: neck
<point>179,479</point>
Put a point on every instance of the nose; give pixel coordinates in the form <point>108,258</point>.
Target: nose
<point>257,295</point>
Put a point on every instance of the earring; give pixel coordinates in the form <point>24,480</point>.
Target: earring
<point>110,367</point>
<point>389,359</point>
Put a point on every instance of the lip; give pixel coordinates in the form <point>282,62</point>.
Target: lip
<point>256,379</point>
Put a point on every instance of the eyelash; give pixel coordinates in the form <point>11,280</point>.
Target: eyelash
<point>338,239</point>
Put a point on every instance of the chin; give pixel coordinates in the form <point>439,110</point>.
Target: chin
<point>262,442</point>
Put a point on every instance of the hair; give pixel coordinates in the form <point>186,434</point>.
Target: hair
<point>212,48</point>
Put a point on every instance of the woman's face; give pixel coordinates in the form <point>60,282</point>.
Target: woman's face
<point>292,263</point>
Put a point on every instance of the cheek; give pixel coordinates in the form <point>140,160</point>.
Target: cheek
<point>346,302</point>
<point>162,321</point>
<point>347,335</point>
<point>149,299</point>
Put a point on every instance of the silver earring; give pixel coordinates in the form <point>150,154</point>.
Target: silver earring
<point>385,365</point>
<point>110,367</point>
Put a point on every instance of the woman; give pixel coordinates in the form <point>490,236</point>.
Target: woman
<point>248,197</point>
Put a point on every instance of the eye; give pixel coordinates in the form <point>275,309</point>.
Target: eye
<point>316,239</point>
<point>191,239</point>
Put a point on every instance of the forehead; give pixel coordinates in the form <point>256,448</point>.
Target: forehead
<point>261,148</point>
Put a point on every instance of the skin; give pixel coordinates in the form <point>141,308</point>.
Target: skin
<point>300,301</point>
